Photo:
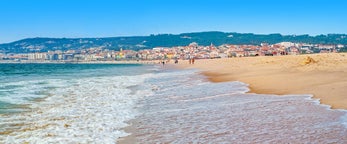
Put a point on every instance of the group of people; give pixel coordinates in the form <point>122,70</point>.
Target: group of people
<point>191,61</point>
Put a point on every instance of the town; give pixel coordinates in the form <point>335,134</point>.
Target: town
<point>193,50</point>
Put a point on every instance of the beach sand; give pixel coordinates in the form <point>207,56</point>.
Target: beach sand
<point>323,75</point>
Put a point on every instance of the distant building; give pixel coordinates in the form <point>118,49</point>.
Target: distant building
<point>37,56</point>
<point>286,44</point>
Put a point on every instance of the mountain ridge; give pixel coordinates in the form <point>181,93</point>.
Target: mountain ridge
<point>44,44</point>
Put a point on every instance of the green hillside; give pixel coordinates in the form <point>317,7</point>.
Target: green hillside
<point>163,40</point>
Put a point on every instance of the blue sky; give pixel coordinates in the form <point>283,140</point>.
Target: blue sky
<point>21,19</point>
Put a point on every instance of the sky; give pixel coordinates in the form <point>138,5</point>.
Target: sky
<point>21,19</point>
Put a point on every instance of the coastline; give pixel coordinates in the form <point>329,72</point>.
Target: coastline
<point>134,123</point>
<point>131,129</point>
<point>322,75</point>
<point>79,62</point>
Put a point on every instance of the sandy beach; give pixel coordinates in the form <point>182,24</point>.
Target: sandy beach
<point>323,75</point>
<point>201,111</point>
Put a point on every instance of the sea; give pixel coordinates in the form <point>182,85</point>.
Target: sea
<point>93,103</point>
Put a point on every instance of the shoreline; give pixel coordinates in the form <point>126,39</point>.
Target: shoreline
<point>322,75</point>
<point>131,129</point>
<point>80,62</point>
<point>324,78</point>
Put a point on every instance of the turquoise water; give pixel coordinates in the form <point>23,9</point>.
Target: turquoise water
<point>21,84</point>
<point>69,103</point>
<point>92,103</point>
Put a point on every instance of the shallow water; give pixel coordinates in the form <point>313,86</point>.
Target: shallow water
<point>75,104</point>
<point>187,109</point>
<point>91,104</point>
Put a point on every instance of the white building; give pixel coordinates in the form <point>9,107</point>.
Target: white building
<point>37,56</point>
<point>287,44</point>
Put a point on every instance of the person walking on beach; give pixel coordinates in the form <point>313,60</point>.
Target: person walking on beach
<point>176,61</point>
<point>193,60</point>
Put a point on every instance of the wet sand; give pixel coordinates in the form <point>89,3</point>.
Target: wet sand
<point>323,75</point>
<point>130,139</point>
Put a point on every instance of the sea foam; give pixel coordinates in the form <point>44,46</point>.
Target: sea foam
<point>86,110</point>
<point>172,107</point>
<point>186,108</point>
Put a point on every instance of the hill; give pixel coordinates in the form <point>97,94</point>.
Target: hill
<point>163,40</point>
